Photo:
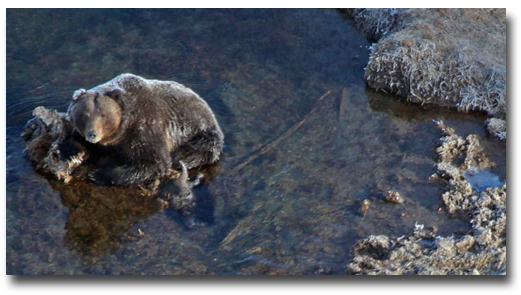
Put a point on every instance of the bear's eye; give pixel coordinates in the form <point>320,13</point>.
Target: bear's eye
<point>103,115</point>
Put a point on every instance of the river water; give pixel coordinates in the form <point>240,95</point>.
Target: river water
<point>295,209</point>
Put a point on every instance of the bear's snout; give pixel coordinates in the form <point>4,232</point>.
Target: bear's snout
<point>92,136</point>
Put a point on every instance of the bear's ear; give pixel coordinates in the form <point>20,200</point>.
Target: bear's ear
<point>115,94</point>
<point>78,93</point>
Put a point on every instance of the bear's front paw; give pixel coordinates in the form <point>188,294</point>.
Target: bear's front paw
<point>73,160</point>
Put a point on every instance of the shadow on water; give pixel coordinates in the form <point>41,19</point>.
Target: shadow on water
<point>295,209</point>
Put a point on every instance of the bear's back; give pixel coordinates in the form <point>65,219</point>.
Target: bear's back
<point>184,103</point>
<point>178,109</point>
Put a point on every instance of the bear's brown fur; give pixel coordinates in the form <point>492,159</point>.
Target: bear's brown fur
<point>96,116</point>
<point>140,128</point>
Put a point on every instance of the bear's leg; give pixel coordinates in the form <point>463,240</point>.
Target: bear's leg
<point>204,148</point>
<point>125,175</point>
<point>150,160</point>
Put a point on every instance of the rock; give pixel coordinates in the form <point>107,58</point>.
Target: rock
<point>393,197</point>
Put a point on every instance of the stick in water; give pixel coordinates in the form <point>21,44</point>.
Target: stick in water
<point>343,100</point>
<point>280,138</point>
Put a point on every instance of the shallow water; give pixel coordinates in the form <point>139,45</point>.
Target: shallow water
<point>292,210</point>
<point>481,179</point>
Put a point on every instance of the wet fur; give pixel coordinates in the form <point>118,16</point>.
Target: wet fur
<point>178,192</point>
<point>162,123</point>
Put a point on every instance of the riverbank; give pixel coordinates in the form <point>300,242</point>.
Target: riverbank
<point>447,57</point>
<point>480,251</point>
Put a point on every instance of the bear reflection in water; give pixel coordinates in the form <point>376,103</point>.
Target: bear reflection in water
<point>101,217</point>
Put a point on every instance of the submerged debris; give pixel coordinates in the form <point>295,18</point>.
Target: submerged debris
<point>365,206</point>
<point>275,142</point>
<point>393,197</point>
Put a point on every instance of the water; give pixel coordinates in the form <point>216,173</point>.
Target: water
<point>292,210</point>
<point>481,179</point>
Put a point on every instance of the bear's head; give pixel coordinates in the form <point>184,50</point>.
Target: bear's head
<point>96,116</point>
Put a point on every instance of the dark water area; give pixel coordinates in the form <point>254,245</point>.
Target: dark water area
<point>292,210</point>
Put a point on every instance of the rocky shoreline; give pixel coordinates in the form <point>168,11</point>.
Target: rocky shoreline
<point>481,251</point>
<point>430,56</point>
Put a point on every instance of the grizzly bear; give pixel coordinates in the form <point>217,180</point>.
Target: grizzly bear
<point>138,129</point>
